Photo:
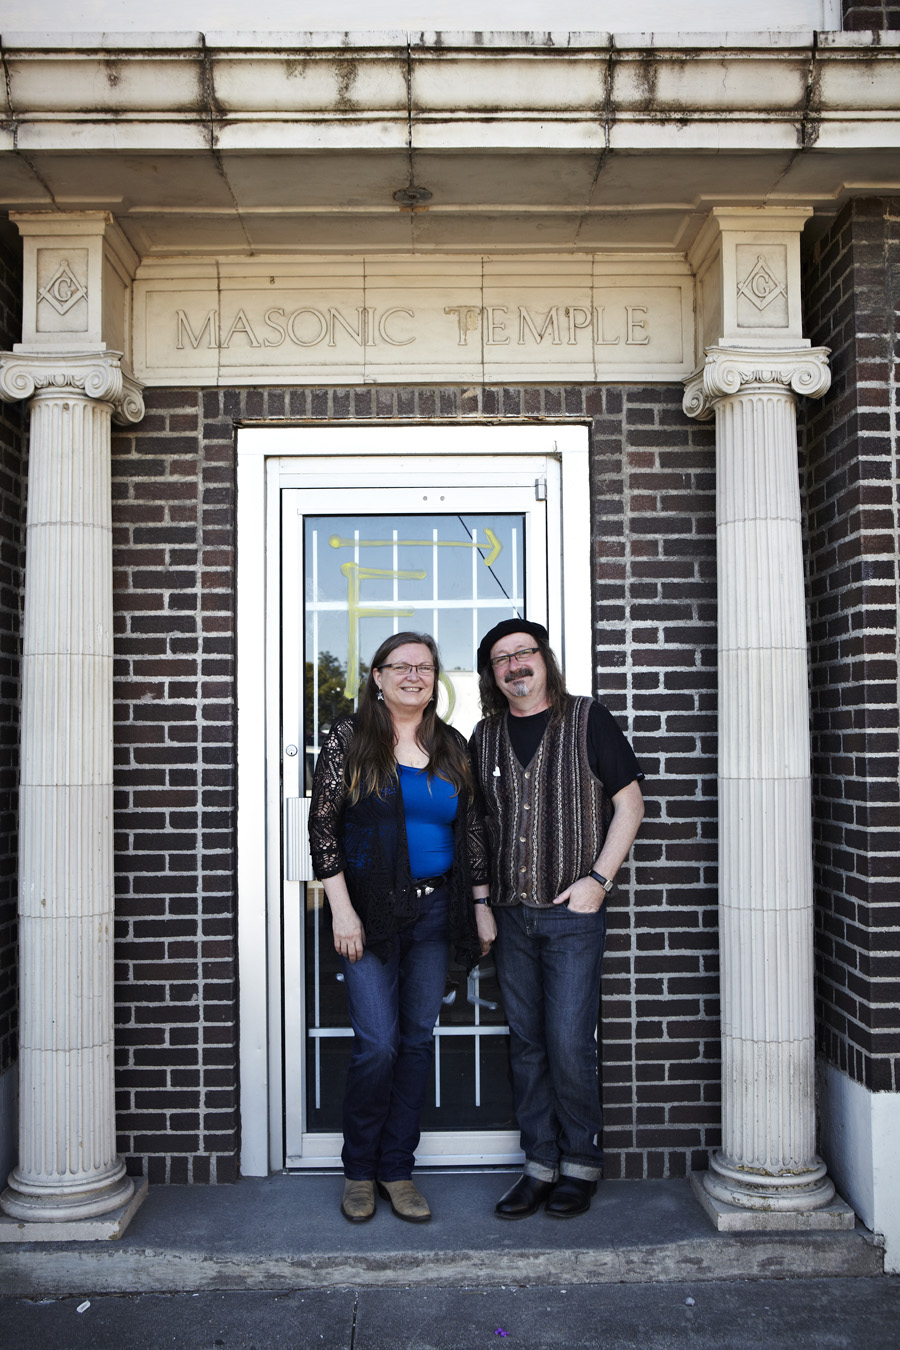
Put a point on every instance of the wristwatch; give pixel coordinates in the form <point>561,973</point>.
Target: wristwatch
<point>604,881</point>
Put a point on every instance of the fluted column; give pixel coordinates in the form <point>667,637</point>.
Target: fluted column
<point>768,1158</point>
<point>68,1168</point>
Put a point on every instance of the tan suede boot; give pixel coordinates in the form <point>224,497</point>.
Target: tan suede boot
<point>358,1203</point>
<point>406,1201</point>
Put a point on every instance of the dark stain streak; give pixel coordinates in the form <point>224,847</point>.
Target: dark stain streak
<point>347,73</point>
<point>810,125</point>
<point>646,77</point>
<point>608,115</point>
<point>211,111</point>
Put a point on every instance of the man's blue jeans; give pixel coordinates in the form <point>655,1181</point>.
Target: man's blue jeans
<point>548,963</point>
<point>393,1006</point>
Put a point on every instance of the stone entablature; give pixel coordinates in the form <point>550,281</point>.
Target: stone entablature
<point>215,145</point>
<point>628,90</point>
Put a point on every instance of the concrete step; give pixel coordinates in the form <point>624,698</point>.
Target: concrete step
<point>286,1232</point>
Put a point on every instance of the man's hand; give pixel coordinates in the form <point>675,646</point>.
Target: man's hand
<point>487,927</point>
<point>584,896</point>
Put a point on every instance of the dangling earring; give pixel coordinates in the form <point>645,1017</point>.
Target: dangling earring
<point>380,696</point>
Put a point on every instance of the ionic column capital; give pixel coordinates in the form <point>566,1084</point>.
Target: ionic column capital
<point>92,375</point>
<point>732,371</point>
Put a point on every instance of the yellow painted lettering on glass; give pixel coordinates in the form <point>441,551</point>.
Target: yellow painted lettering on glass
<point>355,610</point>
<point>496,547</point>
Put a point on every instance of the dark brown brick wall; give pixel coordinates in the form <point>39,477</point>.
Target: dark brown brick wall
<point>850,483</point>
<point>653,486</point>
<point>654,594</point>
<point>173,518</point>
<point>878,16</point>
<point>12,579</point>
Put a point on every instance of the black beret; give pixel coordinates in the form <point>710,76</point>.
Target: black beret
<point>502,630</point>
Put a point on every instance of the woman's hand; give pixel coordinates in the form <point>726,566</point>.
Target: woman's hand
<point>349,934</point>
<point>487,927</point>
<point>346,925</point>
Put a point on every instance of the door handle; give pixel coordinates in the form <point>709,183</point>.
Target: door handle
<point>297,858</point>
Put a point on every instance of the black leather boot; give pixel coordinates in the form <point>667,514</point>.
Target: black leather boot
<point>523,1198</point>
<point>571,1196</point>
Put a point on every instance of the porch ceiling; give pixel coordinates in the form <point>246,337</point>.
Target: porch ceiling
<point>242,144</point>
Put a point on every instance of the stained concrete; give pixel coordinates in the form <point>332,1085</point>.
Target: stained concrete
<point>286,1233</point>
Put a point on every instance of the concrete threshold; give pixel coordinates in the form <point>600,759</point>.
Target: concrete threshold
<point>286,1233</point>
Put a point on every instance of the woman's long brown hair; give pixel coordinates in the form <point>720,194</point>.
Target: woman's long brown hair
<point>371,766</point>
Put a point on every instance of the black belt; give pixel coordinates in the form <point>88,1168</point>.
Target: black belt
<point>425,885</point>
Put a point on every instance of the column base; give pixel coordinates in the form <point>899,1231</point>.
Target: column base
<point>52,1201</point>
<point>751,1189</point>
<point>726,1218</point>
<point>103,1228</point>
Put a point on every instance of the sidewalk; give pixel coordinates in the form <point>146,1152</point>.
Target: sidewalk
<point>285,1233</point>
<point>862,1314</point>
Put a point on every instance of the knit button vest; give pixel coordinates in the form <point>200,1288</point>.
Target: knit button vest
<point>546,821</point>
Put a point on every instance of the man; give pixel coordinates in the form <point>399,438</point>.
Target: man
<point>562,804</point>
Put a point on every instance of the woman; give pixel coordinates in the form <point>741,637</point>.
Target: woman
<point>398,847</point>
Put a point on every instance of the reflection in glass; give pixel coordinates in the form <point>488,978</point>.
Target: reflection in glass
<point>365,578</point>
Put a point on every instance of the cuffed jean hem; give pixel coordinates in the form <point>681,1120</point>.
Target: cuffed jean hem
<point>539,1171</point>
<point>583,1171</point>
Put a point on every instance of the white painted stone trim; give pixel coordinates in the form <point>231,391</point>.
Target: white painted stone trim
<point>859,1135</point>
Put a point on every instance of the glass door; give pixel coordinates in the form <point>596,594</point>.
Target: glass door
<point>357,565</point>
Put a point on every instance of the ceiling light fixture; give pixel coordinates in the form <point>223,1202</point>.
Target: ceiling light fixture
<point>412,195</point>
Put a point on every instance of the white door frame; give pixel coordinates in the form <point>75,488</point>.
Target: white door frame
<point>269,458</point>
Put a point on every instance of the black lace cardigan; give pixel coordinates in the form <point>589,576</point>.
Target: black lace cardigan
<point>367,842</point>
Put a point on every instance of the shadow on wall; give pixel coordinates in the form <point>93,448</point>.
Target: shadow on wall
<point>9,1140</point>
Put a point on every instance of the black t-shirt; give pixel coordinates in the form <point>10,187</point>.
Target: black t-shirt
<point>611,758</point>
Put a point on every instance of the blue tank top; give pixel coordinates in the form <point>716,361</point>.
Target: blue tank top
<point>429,809</point>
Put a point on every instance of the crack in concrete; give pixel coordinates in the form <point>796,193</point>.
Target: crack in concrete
<point>214,115</point>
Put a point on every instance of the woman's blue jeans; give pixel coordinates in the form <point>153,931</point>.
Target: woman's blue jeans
<point>548,963</point>
<point>393,1006</point>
